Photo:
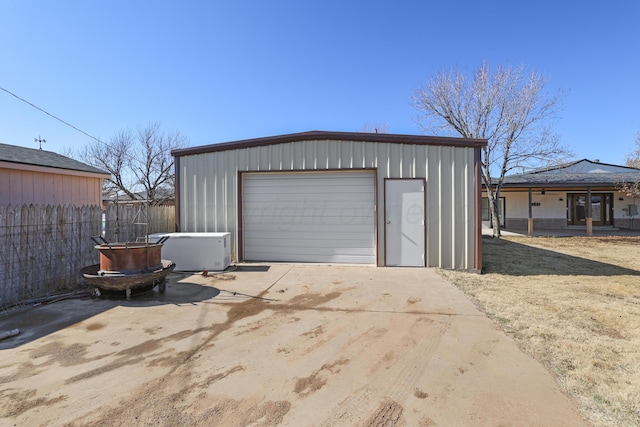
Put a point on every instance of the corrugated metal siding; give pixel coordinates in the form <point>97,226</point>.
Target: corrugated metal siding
<point>209,187</point>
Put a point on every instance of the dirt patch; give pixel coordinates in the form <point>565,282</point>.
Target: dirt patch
<point>25,370</point>
<point>217,377</point>
<point>140,349</point>
<point>573,303</point>
<point>16,403</point>
<point>312,299</point>
<point>317,380</point>
<point>308,385</point>
<point>94,326</point>
<point>65,355</point>
<point>315,332</point>
<point>420,394</point>
<point>389,414</point>
<point>217,410</point>
<point>198,411</point>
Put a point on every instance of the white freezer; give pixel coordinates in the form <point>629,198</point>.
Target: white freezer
<point>196,251</point>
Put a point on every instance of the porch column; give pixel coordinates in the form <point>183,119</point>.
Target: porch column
<point>589,219</point>
<point>530,219</point>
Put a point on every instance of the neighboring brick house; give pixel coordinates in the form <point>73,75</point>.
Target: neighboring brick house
<point>30,176</point>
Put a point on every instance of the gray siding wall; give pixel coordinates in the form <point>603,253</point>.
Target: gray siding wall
<point>209,187</point>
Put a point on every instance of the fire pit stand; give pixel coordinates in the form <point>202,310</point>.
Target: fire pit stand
<point>128,266</point>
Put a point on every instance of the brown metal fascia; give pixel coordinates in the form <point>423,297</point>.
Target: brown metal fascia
<point>376,232</point>
<point>384,223</point>
<point>176,165</point>
<point>478,210</point>
<point>240,228</point>
<point>556,187</point>
<point>338,136</point>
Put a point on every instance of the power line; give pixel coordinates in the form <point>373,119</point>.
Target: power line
<point>66,123</point>
<point>49,114</point>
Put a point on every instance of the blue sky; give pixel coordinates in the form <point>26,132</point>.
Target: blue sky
<point>219,71</point>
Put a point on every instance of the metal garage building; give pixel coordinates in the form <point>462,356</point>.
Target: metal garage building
<point>337,197</point>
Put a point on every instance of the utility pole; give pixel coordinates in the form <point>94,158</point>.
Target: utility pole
<point>40,140</point>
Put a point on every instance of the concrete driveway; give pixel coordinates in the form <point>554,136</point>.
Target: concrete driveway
<point>294,345</point>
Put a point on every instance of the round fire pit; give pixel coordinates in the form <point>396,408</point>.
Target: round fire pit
<point>130,257</point>
<point>128,282</point>
<point>128,266</point>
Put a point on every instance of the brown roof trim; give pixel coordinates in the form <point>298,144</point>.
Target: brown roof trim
<point>556,187</point>
<point>339,136</point>
<point>477,211</point>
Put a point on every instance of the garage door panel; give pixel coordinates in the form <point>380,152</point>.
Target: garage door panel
<point>337,259</point>
<point>310,223</point>
<point>327,213</point>
<point>315,189</point>
<point>354,256</point>
<point>311,217</point>
<point>313,180</point>
<point>318,242</point>
<point>324,217</point>
<point>318,199</point>
<point>348,215</point>
<point>345,232</point>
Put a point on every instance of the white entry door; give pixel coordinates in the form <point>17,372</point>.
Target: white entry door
<point>404,222</point>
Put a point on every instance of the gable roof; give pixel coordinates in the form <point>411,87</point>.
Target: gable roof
<point>316,135</point>
<point>585,166</point>
<point>582,173</point>
<point>48,159</point>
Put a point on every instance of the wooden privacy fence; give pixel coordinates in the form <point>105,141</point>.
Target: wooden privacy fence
<point>129,223</point>
<point>43,248</point>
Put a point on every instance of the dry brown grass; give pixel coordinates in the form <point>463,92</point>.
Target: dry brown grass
<point>573,303</point>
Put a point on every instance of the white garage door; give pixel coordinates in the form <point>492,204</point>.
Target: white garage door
<point>309,217</point>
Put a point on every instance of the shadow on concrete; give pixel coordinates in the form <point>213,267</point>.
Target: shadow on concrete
<point>251,268</point>
<point>502,256</point>
<point>37,321</point>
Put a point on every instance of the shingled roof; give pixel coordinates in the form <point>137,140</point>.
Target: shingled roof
<point>49,159</point>
<point>582,173</point>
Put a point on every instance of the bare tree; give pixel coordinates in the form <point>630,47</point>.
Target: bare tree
<point>631,189</point>
<point>140,163</point>
<point>633,158</point>
<point>509,107</point>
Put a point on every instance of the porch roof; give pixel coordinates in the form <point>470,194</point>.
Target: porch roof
<point>581,174</point>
